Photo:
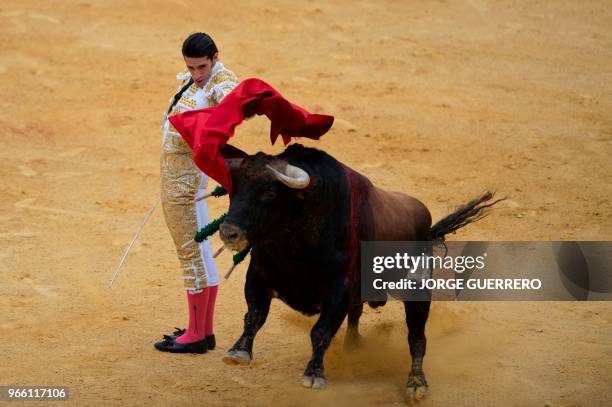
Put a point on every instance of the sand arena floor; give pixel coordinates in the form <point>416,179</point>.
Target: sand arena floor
<point>438,99</point>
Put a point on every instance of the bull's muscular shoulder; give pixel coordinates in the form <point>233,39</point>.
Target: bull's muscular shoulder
<point>393,215</point>
<point>397,216</point>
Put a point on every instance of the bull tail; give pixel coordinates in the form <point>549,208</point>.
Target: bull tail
<point>471,212</point>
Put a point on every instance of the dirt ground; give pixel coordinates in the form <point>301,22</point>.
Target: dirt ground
<point>438,99</point>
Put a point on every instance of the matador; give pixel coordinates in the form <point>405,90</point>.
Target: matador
<point>204,84</point>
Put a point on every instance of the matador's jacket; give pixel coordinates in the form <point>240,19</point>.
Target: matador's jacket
<point>181,180</point>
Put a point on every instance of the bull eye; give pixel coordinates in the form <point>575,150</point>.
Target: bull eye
<point>268,196</point>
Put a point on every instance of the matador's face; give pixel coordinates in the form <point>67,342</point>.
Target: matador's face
<point>200,69</point>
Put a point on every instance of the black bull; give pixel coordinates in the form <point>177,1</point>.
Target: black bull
<point>295,210</point>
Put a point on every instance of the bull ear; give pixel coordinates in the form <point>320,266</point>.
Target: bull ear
<point>233,163</point>
<point>292,176</point>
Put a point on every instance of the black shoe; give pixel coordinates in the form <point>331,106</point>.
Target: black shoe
<point>174,347</point>
<point>210,342</point>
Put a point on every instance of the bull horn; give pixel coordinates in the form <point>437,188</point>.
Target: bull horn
<point>294,177</point>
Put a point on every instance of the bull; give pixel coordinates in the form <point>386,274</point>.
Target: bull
<point>300,212</point>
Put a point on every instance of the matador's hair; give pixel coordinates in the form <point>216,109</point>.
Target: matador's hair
<point>199,45</point>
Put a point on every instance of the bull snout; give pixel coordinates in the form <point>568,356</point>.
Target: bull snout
<point>232,236</point>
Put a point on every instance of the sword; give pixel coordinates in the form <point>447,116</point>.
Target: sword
<point>142,225</point>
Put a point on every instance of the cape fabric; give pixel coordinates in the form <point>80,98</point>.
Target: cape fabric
<point>208,130</point>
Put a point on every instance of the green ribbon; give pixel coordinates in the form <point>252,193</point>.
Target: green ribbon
<point>218,191</point>
<point>238,257</point>
<point>209,229</point>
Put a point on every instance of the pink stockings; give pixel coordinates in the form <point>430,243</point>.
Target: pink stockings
<point>201,315</point>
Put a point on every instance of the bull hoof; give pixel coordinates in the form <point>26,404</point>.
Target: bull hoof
<point>313,382</point>
<point>416,388</point>
<point>237,357</point>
